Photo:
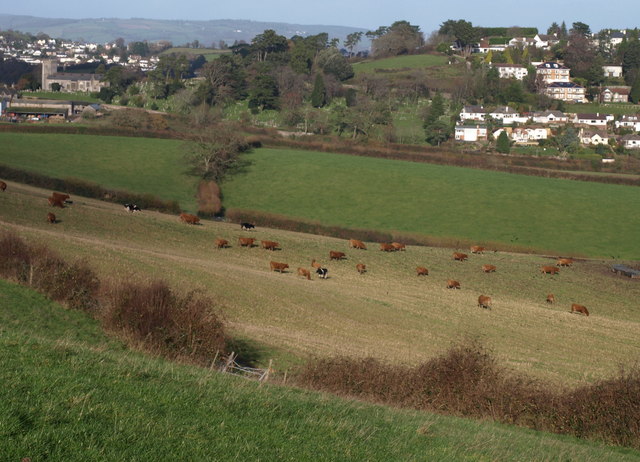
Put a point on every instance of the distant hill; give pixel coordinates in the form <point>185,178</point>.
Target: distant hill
<point>102,30</point>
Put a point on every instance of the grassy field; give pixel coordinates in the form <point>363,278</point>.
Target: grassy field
<point>549,214</point>
<point>69,393</point>
<point>400,62</point>
<point>140,165</point>
<point>209,53</point>
<point>79,96</point>
<point>615,109</point>
<point>387,313</point>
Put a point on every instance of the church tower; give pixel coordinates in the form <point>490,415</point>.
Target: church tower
<point>49,67</point>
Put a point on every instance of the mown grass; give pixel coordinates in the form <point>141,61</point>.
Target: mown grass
<point>69,393</point>
<point>400,63</point>
<point>77,96</point>
<point>606,108</point>
<point>387,313</point>
<point>547,214</point>
<point>141,165</point>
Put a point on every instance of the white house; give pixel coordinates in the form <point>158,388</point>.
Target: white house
<point>529,135</point>
<point>545,41</point>
<point>594,120</point>
<point>617,94</point>
<point>631,141</point>
<point>612,71</point>
<point>566,91</point>
<point>511,71</point>
<point>629,121</point>
<point>593,137</point>
<point>470,132</point>
<point>473,113</point>
<point>553,72</point>
<point>550,117</point>
<point>507,115</point>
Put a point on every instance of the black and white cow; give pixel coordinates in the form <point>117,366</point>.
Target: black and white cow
<point>132,208</point>
<point>247,226</point>
<point>322,272</point>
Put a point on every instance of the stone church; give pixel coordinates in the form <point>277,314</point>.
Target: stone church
<point>69,81</point>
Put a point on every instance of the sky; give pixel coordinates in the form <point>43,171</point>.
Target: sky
<point>367,14</point>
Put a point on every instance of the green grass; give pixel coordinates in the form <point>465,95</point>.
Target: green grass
<point>78,96</point>
<point>209,53</point>
<point>400,62</point>
<point>141,165</point>
<point>69,393</point>
<point>547,214</point>
<point>610,108</point>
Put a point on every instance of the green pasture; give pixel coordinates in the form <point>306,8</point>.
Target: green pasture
<point>77,96</point>
<point>141,165</point>
<point>70,393</point>
<point>551,215</point>
<point>605,108</point>
<point>400,62</point>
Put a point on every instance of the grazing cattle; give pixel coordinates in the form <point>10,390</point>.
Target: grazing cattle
<point>245,241</point>
<point>489,268</point>
<point>132,208</point>
<point>361,267</point>
<point>3,186</point>
<point>334,255</point>
<point>460,256</point>
<point>356,244</point>
<point>51,218</point>
<point>275,266</point>
<point>322,272</point>
<point>55,202</point>
<point>422,271</point>
<point>387,247</point>
<point>189,219</point>
<point>551,298</point>
<point>549,270</point>
<point>221,243</point>
<point>452,284</point>
<point>575,308</point>
<point>270,245</point>
<point>564,262</point>
<point>60,196</point>
<point>484,301</point>
<point>315,264</point>
<point>398,246</point>
<point>304,272</point>
<point>247,226</point>
<point>477,249</point>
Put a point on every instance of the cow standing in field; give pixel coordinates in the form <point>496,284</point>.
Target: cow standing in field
<point>489,268</point>
<point>397,246</point>
<point>51,218</point>
<point>387,247</point>
<point>334,255</point>
<point>484,301</point>
<point>280,267</point>
<point>551,298</point>
<point>549,270</point>
<point>459,256</point>
<point>55,202</point>
<point>221,243</point>
<point>564,262</point>
<point>322,272</point>
<point>132,208</point>
<point>453,284</point>
<point>422,271</point>
<point>361,268</point>
<point>315,264</point>
<point>305,273</point>
<point>246,241</point>
<point>356,244</point>
<point>270,245</point>
<point>477,249</point>
<point>247,226</point>
<point>3,186</point>
<point>189,219</point>
<point>579,309</point>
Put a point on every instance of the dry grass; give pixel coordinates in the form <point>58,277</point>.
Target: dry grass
<point>388,313</point>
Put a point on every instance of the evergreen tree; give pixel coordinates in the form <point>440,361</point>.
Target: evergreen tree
<point>319,93</point>
<point>634,95</point>
<point>502,143</point>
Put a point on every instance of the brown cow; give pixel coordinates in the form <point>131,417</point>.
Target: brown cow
<point>275,266</point>
<point>549,270</point>
<point>270,245</point>
<point>55,202</point>
<point>452,284</point>
<point>575,308</point>
<point>334,255</point>
<point>387,247</point>
<point>246,241</point>
<point>51,218</point>
<point>564,262</point>
<point>356,244</point>
<point>398,246</point>
<point>484,301</point>
<point>3,186</point>
<point>477,249</point>
<point>361,267</point>
<point>422,271</point>
<point>221,243</point>
<point>489,268</point>
<point>551,298</point>
<point>60,196</point>
<point>189,219</point>
<point>304,272</point>
<point>460,256</point>
<point>315,264</point>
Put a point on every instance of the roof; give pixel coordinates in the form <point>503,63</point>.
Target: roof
<point>552,65</point>
<point>74,76</point>
<point>547,37</point>
<point>632,137</point>
<point>592,116</point>
<point>564,85</point>
<point>548,112</point>
<point>504,110</point>
<point>592,133</point>
<point>517,66</point>
<point>474,109</point>
<point>630,118</point>
<point>621,90</point>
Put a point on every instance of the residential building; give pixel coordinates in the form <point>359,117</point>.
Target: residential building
<point>507,115</point>
<point>545,41</point>
<point>618,94</point>
<point>473,113</point>
<point>566,91</point>
<point>594,120</point>
<point>593,137</point>
<point>550,72</point>
<point>511,71</point>
<point>631,141</point>
<point>529,135</point>
<point>470,132</point>
<point>629,121</point>
<point>612,71</point>
<point>550,117</point>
